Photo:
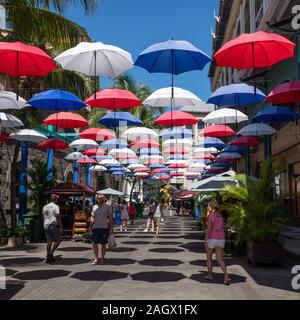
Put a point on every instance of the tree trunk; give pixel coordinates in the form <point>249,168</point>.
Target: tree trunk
<point>13,183</point>
<point>3,224</point>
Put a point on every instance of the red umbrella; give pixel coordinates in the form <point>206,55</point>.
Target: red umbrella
<point>66,120</point>
<point>89,160</point>
<point>288,92</point>
<point>254,50</point>
<point>97,134</point>
<point>217,131</point>
<point>164,178</point>
<point>125,156</point>
<point>19,59</point>
<point>157,170</point>
<point>55,144</point>
<point>245,141</point>
<point>4,137</point>
<point>150,143</point>
<point>204,156</point>
<point>94,152</point>
<point>224,160</point>
<point>174,150</point>
<point>141,170</point>
<point>114,99</point>
<point>177,166</point>
<point>154,161</point>
<point>176,174</point>
<point>176,118</point>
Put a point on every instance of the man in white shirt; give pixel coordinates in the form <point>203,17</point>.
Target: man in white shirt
<point>52,221</point>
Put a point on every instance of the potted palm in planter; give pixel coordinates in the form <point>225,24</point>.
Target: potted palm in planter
<point>258,214</point>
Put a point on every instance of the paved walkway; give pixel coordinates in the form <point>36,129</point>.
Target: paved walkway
<point>142,267</point>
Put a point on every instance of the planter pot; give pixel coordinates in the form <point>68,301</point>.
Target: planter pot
<point>14,241</point>
<point>265,253</point>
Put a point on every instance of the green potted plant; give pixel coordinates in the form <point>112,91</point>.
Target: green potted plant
<point>4,235</point>
<point>258,214</point>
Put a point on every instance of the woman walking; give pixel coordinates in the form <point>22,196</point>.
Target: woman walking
<point>124,215</point>
<point>215,240</point>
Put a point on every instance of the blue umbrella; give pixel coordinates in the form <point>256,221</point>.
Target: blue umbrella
<point>109,166</point>
<point>204,161</point>
<point>120,118</point>
<point>235,149</point>
<point>236,95</point>
<point>176,133</point>
<point>117,173</point>
<point>222,164</point>
<point>57,100</point>
<point>117,169</point>
<point>276,114</point>
<point>150,151</point>
<point>156,166</point>
<point>173,57</point>
<point>114,144</point>
<point>211,143</point>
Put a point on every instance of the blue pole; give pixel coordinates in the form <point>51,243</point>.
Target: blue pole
<point>75,169</point>
<point>89,175</point>
<point>23,182</point>
<point>50,154</point>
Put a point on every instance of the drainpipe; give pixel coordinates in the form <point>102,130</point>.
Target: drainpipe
<point>23,182</point>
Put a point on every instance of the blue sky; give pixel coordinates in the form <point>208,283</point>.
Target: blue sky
<point>135,24</point>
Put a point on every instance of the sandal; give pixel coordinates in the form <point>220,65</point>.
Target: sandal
<point>227,283</point>
<point>208,278</point>
<point>94,262</point>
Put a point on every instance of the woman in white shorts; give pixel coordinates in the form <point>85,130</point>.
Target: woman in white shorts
<point>124,215</point>
<point>215,240</point>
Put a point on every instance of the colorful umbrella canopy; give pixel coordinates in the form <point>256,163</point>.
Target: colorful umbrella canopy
<point>97,168</point>
<point>114,152</point>
<point>210,142</point>
<point>66,120</point>
<point>239,94</point>
<point>93,152</point>
<point>178,142</point>
<point>205,150</point>
<point>235,149</point>
<point>139,133</point>
<point>176,118</point>
<point>130,161</point>
<point>176,150</point>
<point>181,97</point>
<point>150,151</point>
<point>149,143</point>
<point>225,116</point>
<point>115,119</point>
<point>141,170</point>
<point>55,144</point>
<point>97,134</point>
<point>56,100</point>
<point>83,144</point>
<point>157,166</point>
<point>254,50</point>
<point>19,59</point>
<point>246,141</point>
<point>276,114</point>
<point>74,156</point>
<point>114,144</point>
<point>113,99</point>
<point>9,121</point>
<point>204,156</point>
<point>8,101</point>
<point>136,166</point>
<point>285,93</point>
<point>86,160</point>
<point>256,129</point>
<point>120,156</point>
<point>177,166</point>
<point>96,59</point>
<point>28,135</point>
<point>176,133</point>
<point>229,155</point>
<point>172,57</point>
<point>111,192</point>
<point>217,131</point>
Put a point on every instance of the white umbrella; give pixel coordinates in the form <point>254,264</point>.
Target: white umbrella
<point>83,144</point>
<point>177,161</point>
<point>96,59</point>
<point>122,151</point>
<point>109,161</point>
<point>205,150</point>
<point>229,155</point>
<point>97,168</point>
<point>162,98</point>
<point>141,174</point>
<point>9,121</point>
<point>256,129</point>
<point>110,191</point>
<point>197,165</point>
<point>74,156</point>
<point>136,166</point>
<point>202,108</point>
<point>178,142</point>
<point>28,135</point>
<point>8,100</point>
<point>225,116</point>
<point>139,133</point>
<point>146,157</point>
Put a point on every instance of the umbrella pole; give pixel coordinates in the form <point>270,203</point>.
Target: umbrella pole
<point>17,75</point>
<point>253,61</point>
<point>95,74</point>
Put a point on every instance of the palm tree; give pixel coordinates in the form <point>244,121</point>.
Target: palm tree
<point>41,23</point>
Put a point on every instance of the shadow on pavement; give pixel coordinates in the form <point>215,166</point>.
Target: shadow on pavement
<point>118,261</point>
<point>121,249</point>
<point>99,275</point>
<point>141,237</point>
<point>197,247</point>
<point>162,236</point>
<point>171,243</point>
<point>202,263</point>
<point>136,242</point>
<point>12,288</point>
<point>70,261</point>
<point>10,272</point>
<point>160,262</point>
<point>41,274</point>
<point>27,248</point>
<point>192,237</point>
<point>74,249</point>
<point>21,261</point>
<point>218,278</point>
<point>166,250</point>
<point>158,276</point>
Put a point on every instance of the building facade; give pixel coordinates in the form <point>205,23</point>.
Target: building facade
<point>275,16</point>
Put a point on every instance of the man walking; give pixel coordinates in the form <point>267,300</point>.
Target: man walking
<point>101,227</point>
<point>52,221</point>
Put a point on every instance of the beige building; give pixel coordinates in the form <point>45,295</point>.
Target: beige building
<point>246,16</point>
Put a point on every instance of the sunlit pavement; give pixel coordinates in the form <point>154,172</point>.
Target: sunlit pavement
<point>170,266</point>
